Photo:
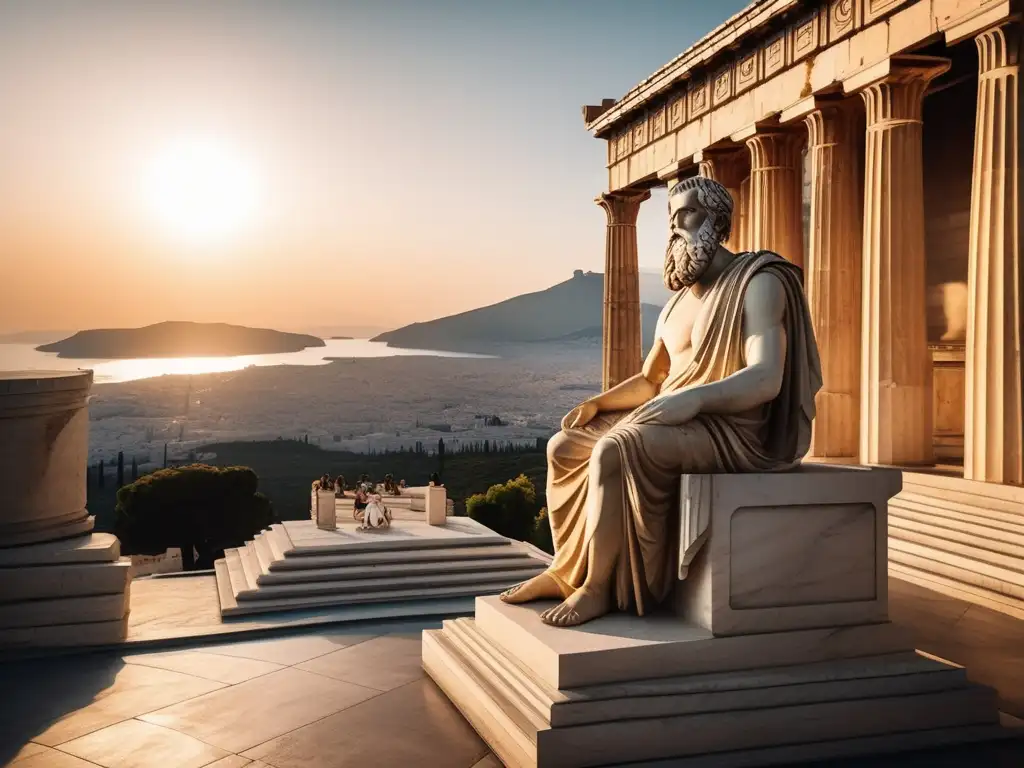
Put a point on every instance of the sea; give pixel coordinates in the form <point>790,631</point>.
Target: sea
<point>25,357</point>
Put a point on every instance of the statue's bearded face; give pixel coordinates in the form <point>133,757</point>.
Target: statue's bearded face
<point>693,241</point>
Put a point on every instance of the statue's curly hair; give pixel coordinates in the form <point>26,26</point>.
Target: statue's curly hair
<point>713,197</point>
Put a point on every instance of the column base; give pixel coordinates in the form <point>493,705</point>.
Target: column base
<point>71,592</point>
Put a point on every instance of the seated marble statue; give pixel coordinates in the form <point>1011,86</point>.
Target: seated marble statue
<point>376,514</point>
<point>728,386</point>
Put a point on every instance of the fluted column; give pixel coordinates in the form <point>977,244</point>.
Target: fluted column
<point>896,367</point>
<point>992,433</point>
<point>728,168</point>
<point>775,195</point>
<point>742,215</point>
<point>833,276</point>
<point>621,347</point>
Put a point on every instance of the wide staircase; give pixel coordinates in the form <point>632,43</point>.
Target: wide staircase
<point>961,538</point>
<point>296,565</point>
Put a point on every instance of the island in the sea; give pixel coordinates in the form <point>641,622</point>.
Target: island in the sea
<point>179,339</point>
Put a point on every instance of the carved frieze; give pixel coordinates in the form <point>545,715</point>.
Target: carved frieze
<point>677,112</point>
<point>698,99</point>
<point>875,8</point>
<point>639,133</point>
<point>806,37</point>
<point>841,18</point>
<point>721,86</point>
<point>774,55</point>
<point>656,129</point>
<point>746,72</point>
<point>623,144</point>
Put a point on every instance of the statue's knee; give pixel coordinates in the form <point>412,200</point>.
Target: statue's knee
<point>606,456</point>
<point>557,445</point>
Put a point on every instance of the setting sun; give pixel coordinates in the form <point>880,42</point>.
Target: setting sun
<point>202,190</point>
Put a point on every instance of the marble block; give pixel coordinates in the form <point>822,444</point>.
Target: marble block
<point>623,688</point>
<point>326,514</point>
<point>436,505</point>
<point>784,551</point>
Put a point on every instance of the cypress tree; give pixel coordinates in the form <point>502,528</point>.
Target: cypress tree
<point>165,455</point>
<point>120,468</point>
<point>99,476</point>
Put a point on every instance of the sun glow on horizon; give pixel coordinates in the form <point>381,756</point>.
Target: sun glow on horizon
<point>202,190</point>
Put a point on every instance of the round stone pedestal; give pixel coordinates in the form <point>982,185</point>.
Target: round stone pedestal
<point>44,452</point>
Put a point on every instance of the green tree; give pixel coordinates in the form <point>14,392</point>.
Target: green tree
<point>542,532</point>
<point>194,507</point>
<point>509,509</point>
<point>100,475</point>
<point>120,468</point>
<point>440,457</point>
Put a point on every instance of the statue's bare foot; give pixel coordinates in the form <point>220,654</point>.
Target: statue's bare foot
<point>583,605</point>
<point>541,587</point>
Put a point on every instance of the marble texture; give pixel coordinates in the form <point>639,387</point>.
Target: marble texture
<point>786,550</point>
<point>619,647</point>
<point>136,744</point>
<point>299,566</point>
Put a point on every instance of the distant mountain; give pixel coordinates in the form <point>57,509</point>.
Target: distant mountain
<point>569,311</point>
<point>179,339</point>
<point>33,337</point>
<point>652,288</point>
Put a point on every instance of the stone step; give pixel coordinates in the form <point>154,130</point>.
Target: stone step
<point>972,581</point>
<point>263,553</point>
<point>959,543</point>
<point>280,543</point>
<point>817,715</point>
<point>70,610</point>
<point>946,510</point>
<point>94,633</point>
<point>961,501</point>
<point>383,584</point>
<point>249,569</point>
<point>40,582</point>
<point>954,587</point>
<point>403,535</point>
<point>503,550</point>
<point>521,561</point>
<point>224,592</point>
<point>909,513</point>
<point>383,597</point>
<point>973,570</point>
<point>91,548</point>
<point>995,497</point>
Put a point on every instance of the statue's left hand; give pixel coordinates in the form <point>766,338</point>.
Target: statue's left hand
<point>669,410</point>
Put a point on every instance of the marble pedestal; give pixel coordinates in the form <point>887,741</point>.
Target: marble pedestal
<point>60,584</point>
<point>799,663</point>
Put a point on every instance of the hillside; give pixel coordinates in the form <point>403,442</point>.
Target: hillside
<point>568,311</point>
<point>179,339</point>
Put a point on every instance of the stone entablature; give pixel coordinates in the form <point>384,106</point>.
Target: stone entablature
<point>761,62</point>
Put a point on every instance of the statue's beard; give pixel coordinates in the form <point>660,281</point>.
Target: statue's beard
<point>687,258</point>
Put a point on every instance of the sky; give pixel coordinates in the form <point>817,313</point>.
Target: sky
<point>301,165</point>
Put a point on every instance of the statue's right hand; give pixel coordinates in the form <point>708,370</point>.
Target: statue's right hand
<point>580,416</point>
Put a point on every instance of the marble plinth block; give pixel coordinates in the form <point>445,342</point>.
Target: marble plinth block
<point>60,584</point>
<point>783,652</point>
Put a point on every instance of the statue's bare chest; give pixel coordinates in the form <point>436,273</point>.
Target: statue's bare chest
<point>684,328</point>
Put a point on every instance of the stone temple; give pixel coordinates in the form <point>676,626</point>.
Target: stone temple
<point>869,603</point>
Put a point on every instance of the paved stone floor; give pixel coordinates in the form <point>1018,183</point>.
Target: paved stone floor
<point>328,697</point>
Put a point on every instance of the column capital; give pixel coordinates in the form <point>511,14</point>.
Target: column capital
<point>775,148</point>
<point>726,165</point>
<point>893,89</point>
<point>622,207</point>
<point>829,122</point>
<point>999,48</point>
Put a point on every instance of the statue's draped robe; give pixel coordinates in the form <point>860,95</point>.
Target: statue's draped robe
<point>772,437</point>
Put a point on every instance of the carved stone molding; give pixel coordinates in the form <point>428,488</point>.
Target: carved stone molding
<point>993,450</point>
